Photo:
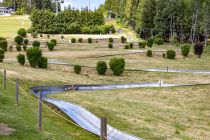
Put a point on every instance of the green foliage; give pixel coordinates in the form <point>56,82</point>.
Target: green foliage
<point>2,38</point>
<point>101,67</point>
<point>51,46</point>
<point>198,49</point>
<point>142,44</point>
<point>131,45</point>
<point>149,53</point>
<point>54,41</point>
<point>158,41</point>
<point>123,39</point>
<point>43,62</point>
<point>117,65</point>
<point>126,46</point>
<point>36,44</point>
<point>111,40</point>
<point>1,55</point>
<point>80,40</point>
<point>22,32</point>
<point>164,55</point>
<point>18,39</point>
<point>34,34</point>
<point>25,41</point>
<point>171,54</point>
<point>21,59</point>
<point>77,69</point>
<point>90,40</point>
<point>185,49</point>
<point>3,45</point>
<point>24,47</point>
<point>18,48</point>
<point>110,45</point>
<point>34,55</point>
<point>150,42</point>
<point>73,40</point>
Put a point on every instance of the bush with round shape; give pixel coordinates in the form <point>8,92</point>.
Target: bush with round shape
<point>48,36</point>
<point>21,59</point>
<point>36,44</point>
<point>62,37</point>
<point>24,47</point>
<point>18,48</point>
<point>25,41</point>
<point>18,39</point>
<point>131,45</point>
<point>43,62</point>
<point>80,40</point>
<point>110,45</point>
<point>126,47</point>
<point>3,45</point>
<point>185,49</point>
<point>1,55</point>
<point>198,49</point>
<point>50,46</point>
<point>171,54</point>
<point>41,35</point>
<point>149,53</point>
<point>150,43</point>
<point>22,32</point>
<point>158,41</point>
<point>101,67</point>
<point>33,55</point>
<point>77,69</point>
<point>142,44</point>
<point>73,40</point>
<point>117,65</point>
<point>164,55</point>
<point>54,41</point>
<point>123,39</point>
<point>111,40</point>
<point>90,40</point>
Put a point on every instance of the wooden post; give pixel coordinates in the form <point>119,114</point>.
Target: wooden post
<point>40,110</point>
<point>167,68</point>
<point>5,80</point>
<point>103,128</point>
<point>17,91</point>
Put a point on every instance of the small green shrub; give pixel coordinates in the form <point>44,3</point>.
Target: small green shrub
<point>18,39</point>
<point>50,46</point>
<point>36,44</point>
<point>198,49</point>
<point>21,32</point>
<point>62,37</point>
<point>90,40</point>
<point>3,45</point>
<point>150,42</point>
<point>110,45</point>
<point>1,55</point>
<point>80,40</point>
<point>2,38</point>
<point>48,36</point>
<point>10,48</point>
<point>43,62</point>
<point>171,54</point>
<point>149,53</point>
<point>77,69</point>
<point>18,48</point>
<point>21,59</point>
<point>41,35</point>
<point>34,34</point>
<point>24,47</point>
<point>164,55</point>
<point>33,55</point>
<point>111,40</point>
<point>25,41</point>
<point>158,41</point>
<point>123,39</point>
<point>142,44</point>
<point>73,40</point>
<point>101,67</point>
<point>185,49</point>
<point>54,41</point>
<point>126,47</point>
<point>131,45</point>
<point>117,65</point>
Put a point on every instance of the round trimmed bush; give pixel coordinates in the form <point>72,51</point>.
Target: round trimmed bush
<point>54,41</point>
<point>43,62</point>
<point>18,39</point>
<point>150,42</point>
<point>171,54</point>
<point>36,44</point>
<point>131,45</point>
<point>149,53</point>
<point>77,69</point>
<point>117,65</point>
<point>25,41</point>
<point>80,40</point>
<point>24,47</point>
<point>90,40</point>
<point>73,40</point>
<point>33,55</point>
<point>123,39</point>
<point>3,45</point>
<point>21,32</point>
<point>101,67</point>
<point>21,59</point>
<point>198,49</point>
<point>1,55</point>
<point>110,45</point>
<point>51,46</point>
<point>18,48</point>
<point>111,40</point>
<point>142,44</point>
<point>185,49</point>
<point>126,47</point>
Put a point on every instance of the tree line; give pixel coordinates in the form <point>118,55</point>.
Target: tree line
<point>183,20</point>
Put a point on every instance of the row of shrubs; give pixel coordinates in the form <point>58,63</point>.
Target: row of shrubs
<point>117,66</point>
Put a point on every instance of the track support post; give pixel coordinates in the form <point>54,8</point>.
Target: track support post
<point>5,79</point>
<point>17,91</point>
<point>40,110</point>
<point>103,128</point>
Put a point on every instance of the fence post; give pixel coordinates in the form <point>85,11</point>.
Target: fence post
<point>103,128</point>
<point>4,79</point>
<point>17,91</point>
<point>167,68</point>
<point>40,110</point>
